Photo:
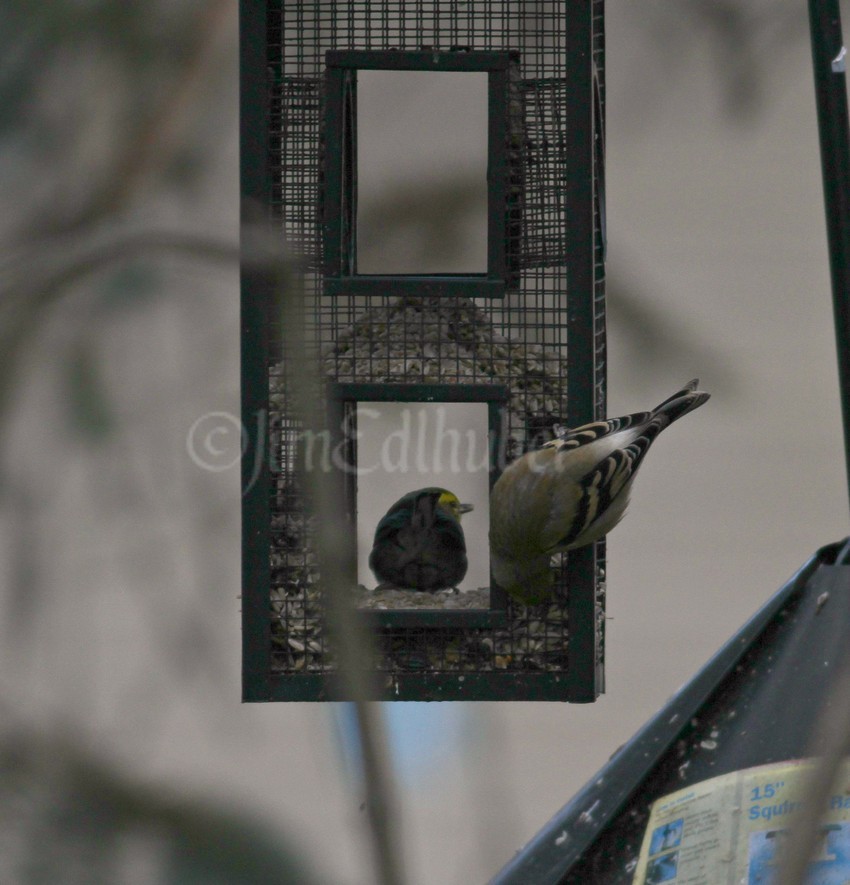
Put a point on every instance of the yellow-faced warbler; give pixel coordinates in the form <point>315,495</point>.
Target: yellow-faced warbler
<point>570,492</point>
<point>419,544</point>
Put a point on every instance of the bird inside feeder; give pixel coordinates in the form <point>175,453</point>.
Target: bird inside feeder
<point>422,478</point>
<point>419,542</point>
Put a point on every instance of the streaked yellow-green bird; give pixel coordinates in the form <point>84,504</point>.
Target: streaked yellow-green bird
<point>570,492</point>
<point>419,543</point>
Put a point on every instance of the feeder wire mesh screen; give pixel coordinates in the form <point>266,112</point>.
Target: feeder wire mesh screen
<point>519,342</point>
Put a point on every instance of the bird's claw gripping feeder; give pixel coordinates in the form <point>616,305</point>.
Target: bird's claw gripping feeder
<point>380,379</point>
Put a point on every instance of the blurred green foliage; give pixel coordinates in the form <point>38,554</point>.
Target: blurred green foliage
<point>67,817</point>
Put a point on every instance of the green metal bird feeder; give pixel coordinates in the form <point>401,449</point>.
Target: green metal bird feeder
<point>432,320</point>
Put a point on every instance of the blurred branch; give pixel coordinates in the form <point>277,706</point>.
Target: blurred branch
<point>743,38</point>
<point>650,330</point>
<point>351,641</point>
<point>433,214</point>
<point>74,818</point>
<point>56,251</point>
<point>831,742</point>
<point>36,288</point>
<point>36,281</point>
<point>834,734</point>
<point>152,147</point>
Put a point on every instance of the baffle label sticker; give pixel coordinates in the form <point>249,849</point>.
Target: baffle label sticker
<point>729,830</point>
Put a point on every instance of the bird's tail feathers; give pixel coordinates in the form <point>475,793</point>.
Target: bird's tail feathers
<point>683,401</point>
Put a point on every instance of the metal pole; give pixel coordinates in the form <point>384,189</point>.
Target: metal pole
<point>829,59</point>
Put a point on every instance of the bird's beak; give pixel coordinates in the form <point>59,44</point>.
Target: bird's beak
<point>465,508</point>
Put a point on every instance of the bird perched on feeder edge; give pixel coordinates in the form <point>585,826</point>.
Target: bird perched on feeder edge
<point>419,543</point>
<point>570,492</point>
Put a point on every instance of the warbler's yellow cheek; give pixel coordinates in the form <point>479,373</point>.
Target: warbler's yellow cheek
<point>451,503</point>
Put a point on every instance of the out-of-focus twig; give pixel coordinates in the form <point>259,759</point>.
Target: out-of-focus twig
<point>33,282</point>
<point>69,815</point>
<point>652,333</point>
<point>742,37</point>
<point>350,640</point>
<point>834,731</point>
<point>831,742</point>
<point>152,147</point>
